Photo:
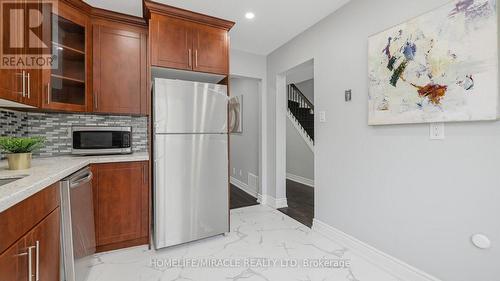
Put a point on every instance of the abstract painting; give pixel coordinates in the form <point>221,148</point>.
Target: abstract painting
<point>236,115</point>
<point>438,67</point>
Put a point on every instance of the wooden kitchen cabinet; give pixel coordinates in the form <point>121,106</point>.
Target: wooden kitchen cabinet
<point>64,87</point>
<point>11,80</point>
<point>30,227</point>
<point>171,42</point>
<point>121,204</point>
<point>14,262</point>
<point>67,86</point>
<point>10,84</point>
<point>21,85</point>
<point>119,70</point>
<point>42,241</point>
<point>211,51</point>
<point>185,40</point>
<point>45,238</point>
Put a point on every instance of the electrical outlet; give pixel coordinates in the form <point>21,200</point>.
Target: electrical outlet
<point>241,173</point>
<point>234,171</point>
<point>436,131</point>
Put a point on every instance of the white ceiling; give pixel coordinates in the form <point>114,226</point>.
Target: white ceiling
<point>275,22</point>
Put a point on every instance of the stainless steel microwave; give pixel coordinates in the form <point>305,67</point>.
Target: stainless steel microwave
<point>101,140</point>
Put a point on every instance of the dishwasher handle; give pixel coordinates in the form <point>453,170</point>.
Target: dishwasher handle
<point>82,178</point>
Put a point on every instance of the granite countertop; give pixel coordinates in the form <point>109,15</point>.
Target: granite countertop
<point>46,171</point>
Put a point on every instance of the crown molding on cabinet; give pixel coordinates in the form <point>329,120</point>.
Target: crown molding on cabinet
<point>94,12</point>
<point>78,4</point>
<point>118,17</point>
<point>150,6</point>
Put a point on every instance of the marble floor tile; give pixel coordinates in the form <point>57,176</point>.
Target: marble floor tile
<point>263,244</point>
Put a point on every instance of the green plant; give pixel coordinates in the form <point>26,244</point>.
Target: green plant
<point>21,145</point>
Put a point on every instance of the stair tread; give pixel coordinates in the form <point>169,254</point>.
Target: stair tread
<point>303,116</point>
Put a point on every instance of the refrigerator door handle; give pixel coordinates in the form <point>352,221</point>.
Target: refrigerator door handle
<point>231,124</point>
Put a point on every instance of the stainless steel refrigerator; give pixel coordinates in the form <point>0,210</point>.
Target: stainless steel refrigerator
<point>190,161</point>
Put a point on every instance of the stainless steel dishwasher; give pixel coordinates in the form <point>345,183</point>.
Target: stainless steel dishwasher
<point>77,220</point>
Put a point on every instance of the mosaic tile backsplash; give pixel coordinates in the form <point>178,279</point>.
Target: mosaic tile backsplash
<point>55,127</point>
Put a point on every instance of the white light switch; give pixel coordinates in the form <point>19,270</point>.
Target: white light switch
<point>436,131</point>
<point>322,116</point>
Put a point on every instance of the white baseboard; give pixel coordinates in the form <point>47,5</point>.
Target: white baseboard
<point>243,186</point>
<point>261,199</point>
<point>299,179</point>
<point>271,201</point>
<point>392,265</point>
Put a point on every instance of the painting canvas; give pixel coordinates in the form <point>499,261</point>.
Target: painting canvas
<point>438,67</point>
<point>235,114</point>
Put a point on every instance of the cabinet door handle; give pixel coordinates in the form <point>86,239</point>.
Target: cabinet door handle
<point>24,83</point>
<point>30,257</point>
<point>29,87</point>
<point>144,173</point>
<point>96,100</point>
<point>190,58</point>
<point>37,258</point>
<point>48,93</point>
<point>195,58</point>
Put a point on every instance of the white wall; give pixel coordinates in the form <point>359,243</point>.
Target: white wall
<point>299,157</point>
<point>307,88</point>
<point>247,64</point>
<point>300,73</point>
<point>390,186</point>
<point>244,147</point>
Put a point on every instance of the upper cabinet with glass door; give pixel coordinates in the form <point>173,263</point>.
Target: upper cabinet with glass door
<point>66,84</point>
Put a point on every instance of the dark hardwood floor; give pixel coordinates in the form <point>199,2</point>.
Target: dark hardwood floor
<point>300,199</point>
<point>239,198</point>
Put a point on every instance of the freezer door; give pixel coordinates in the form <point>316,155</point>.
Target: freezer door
<point>189,107</point>
<point>190,188</point>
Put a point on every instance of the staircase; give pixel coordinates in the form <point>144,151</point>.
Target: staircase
<point>302,109</point>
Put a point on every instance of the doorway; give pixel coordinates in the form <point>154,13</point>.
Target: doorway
<point>299,142</point>
<point>244,107</point>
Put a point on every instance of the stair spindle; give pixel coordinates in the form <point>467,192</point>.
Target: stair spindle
<point>302,109</point>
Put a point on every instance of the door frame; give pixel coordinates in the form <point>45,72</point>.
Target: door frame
<point>280,142</point>
<point>262,153</point>
<point>281,107</point>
